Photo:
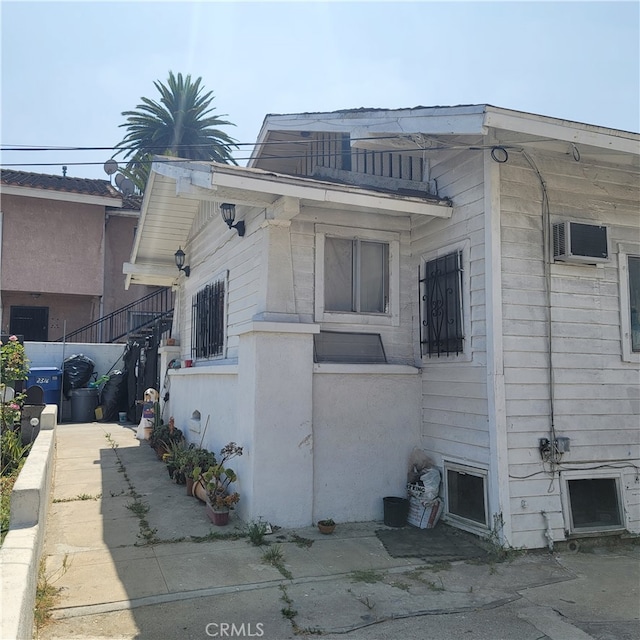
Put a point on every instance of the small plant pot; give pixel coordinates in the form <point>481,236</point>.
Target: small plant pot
<point>326,529</point>
<point>189,483</point>
<point>219,518</point>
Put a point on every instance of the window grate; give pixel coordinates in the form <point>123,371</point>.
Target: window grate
<point>441,329</point>
<point>207,321</point>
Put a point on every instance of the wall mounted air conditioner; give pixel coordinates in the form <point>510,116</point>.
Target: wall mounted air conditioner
<point>580,243</point>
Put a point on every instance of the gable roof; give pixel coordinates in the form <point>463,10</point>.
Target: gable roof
<point>418,129</point>
<point>42,185</point>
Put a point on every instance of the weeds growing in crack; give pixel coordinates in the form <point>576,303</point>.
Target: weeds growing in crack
<point>140,509</point>
<point>366,575</point>
<point>290,614</point>
<point>79,497</point>
<point>46,594</point>
<point>256,531</point>
<point>275,557</point>
<point>300,541</point>
<point>146,534</point>
<point>215,535</point>
<point>112,443</point>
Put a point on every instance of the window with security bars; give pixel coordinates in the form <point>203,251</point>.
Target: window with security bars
<point>208,321</point>
<point>634,301</point>
<point>441,326</point>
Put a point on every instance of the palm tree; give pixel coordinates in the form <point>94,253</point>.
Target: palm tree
<point>179,125</point>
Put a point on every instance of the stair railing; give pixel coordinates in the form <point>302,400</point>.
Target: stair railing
<point>127,320</point>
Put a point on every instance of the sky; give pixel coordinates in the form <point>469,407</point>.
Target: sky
<point>69,69</point>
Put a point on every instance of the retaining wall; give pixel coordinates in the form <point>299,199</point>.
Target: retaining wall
<point>22,547</point>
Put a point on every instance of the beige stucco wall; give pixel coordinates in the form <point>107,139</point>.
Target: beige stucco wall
<point>67,257</point>
<point>76,311</point>
<point>52,246</point>
<point>120,231</point>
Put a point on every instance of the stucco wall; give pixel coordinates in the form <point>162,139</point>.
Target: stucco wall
<point>65,311</point>
<point>119,236</point>
<point>365,424</point>
<point>52,354</point>
<point>52,246</point>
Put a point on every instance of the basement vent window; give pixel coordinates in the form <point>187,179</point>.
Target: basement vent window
<point>594,504</point>
<point>466,493</point>
<point>344,347</point>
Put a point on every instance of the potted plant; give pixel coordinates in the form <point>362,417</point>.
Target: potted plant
<point>191,458</point>
<point>173,458</point>
<point>163,435</point>
<point>326,526</point>
<point>216,481</point>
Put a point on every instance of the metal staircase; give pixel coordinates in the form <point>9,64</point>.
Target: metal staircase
<point>151,315</point>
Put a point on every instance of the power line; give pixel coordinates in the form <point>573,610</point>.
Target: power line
<point>306,141</point>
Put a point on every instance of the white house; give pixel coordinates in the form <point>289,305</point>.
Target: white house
<point>465,280</point>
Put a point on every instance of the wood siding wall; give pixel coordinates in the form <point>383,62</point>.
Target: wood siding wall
<point>213,251</point>
<point>595,394</point>
<point>454,392</point>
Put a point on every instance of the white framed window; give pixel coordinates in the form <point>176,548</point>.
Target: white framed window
<point>357,276</point>
<point>629,280</point>
<point>592,500</point>
<point>466,495</point>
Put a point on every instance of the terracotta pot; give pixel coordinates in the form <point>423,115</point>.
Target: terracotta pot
<point>189,483</point>
<point>219,518</point>
<point>326,529</point>
<point>199,491</point>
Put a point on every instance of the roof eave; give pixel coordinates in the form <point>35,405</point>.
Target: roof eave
<point>66,196</point>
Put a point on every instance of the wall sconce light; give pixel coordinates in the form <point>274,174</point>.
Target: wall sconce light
<point>179,255</point>
<point>228,212</point>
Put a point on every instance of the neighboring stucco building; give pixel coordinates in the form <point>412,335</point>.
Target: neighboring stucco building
<point>460,279</point>
<point>63,242</point>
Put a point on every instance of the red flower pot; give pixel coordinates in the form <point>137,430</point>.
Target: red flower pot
<point>219,518</point>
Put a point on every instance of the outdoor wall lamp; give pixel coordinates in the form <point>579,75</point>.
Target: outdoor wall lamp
<point>228,212</point>
<point>179,255</point>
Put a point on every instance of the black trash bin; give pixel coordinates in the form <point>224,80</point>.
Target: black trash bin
<point>396,511</point>
<point>83,404</point>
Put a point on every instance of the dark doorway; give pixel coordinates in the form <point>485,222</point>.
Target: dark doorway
<point>31,322</point>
